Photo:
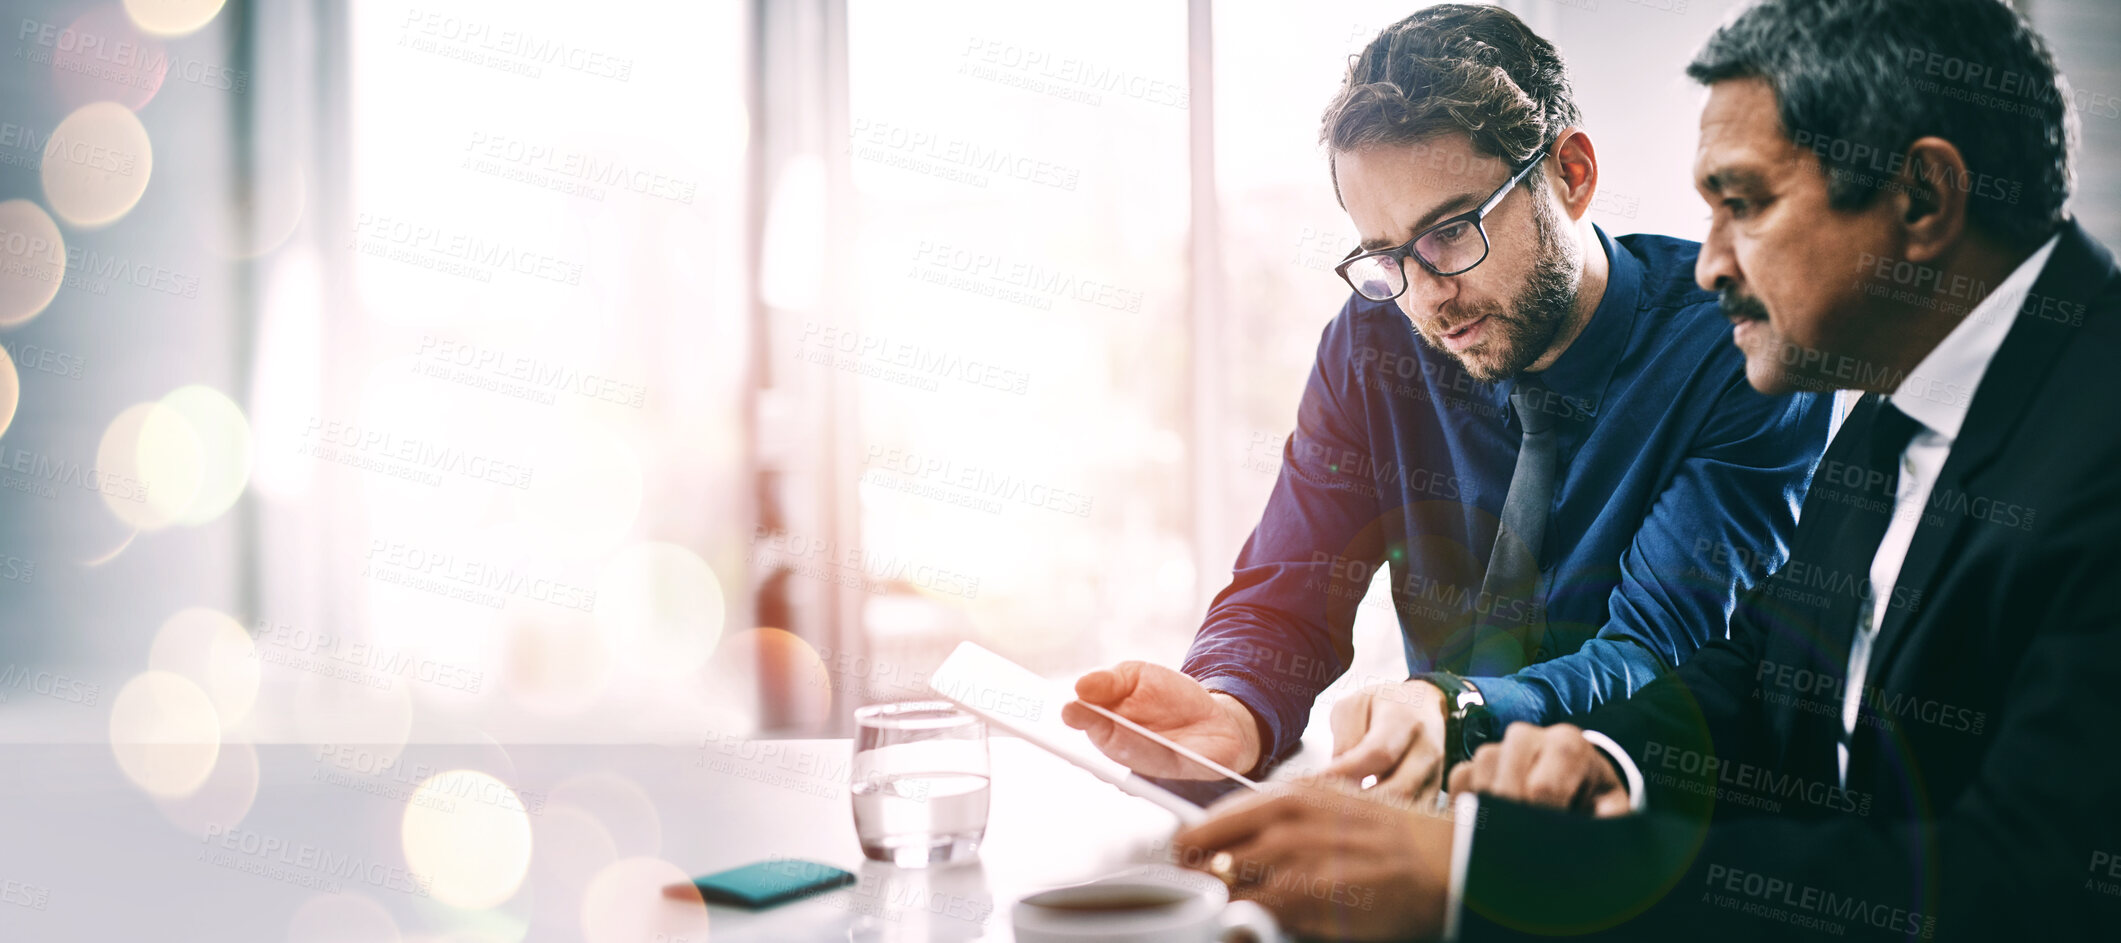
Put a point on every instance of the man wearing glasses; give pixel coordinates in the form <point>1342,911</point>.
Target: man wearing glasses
<point>1542,432</point>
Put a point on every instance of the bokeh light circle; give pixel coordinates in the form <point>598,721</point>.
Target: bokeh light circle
<point>223,799</point>
<point>263,214</point>
<point>624,903</point>
<point>345,917</point>
<point>103,56</point>
<point>468,833</point>
<point>662,607</point>
<point>96,164</point>
<point>214,652</point>
<point>573,848</point>
<point>10,391</point>
<point>775,672</point>
<point>173,17</point>
<point>555,664</point>
<point>224,449</point>
<point>165,733</point>
<point>620,805</point>
<point>152,465</point>
<point>34,256</point>
<point>586,494</point>
<point>325,709</point>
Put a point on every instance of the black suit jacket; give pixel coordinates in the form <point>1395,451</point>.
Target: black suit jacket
<point>1983,798</point>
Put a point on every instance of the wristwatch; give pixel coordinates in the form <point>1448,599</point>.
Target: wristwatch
<point>1467,722</point>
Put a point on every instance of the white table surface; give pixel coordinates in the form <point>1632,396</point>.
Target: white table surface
<point>86,855</point>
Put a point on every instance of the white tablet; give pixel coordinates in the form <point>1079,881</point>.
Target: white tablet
<point>1016,699</point>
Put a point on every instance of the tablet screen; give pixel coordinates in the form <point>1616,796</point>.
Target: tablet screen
<point>1017,699</point>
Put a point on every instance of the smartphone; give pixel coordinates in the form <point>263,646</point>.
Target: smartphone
<point>766,883</point>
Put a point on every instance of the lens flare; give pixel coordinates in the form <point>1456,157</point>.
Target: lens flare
<point>96,164</point>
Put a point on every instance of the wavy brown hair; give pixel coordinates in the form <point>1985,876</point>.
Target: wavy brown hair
<point>1476,70</point>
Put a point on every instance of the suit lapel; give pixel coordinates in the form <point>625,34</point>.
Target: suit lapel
<point>2075,271</point>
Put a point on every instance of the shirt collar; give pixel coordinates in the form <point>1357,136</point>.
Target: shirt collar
<point>1938,392</point>
<point>1581,373</point>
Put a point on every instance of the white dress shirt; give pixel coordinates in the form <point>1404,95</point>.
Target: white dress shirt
<point>1935,394</point>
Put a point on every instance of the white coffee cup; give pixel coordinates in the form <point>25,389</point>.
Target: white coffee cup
<point>1150,904</point>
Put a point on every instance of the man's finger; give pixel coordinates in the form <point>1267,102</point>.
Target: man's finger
<point>1477,773</point>
<point>1420,769</point>
<point>1237,818</point>
<point>1380,747</point>
<point>1350,720</point>
<point>1247,861</point>
<point>1520,749</point>
<point>1610,801</point>
<point>1131,749</point>
<point>1271,870</point>
<point>1108,686</point>
<point>1082,718</point>
<point>1555,779</point>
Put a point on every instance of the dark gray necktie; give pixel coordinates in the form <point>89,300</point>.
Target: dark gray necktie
<point>1511,586</point>
<point>1861,535</point>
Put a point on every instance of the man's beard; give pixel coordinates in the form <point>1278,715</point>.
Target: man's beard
<point>1521,332</point>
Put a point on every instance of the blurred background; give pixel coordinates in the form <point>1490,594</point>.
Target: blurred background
<point>549,372</point>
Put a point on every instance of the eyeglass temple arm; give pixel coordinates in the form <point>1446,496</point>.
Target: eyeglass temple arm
<point>1489,206</point>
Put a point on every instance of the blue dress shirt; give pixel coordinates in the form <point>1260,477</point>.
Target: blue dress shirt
<point>1678,489</point>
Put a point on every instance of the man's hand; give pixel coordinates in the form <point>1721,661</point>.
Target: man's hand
<point>1393,732</point>
<point>1210,723</point>
<point>1329,861</point>
<point>1545,766</point>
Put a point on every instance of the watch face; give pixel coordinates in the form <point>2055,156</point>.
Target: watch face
<point>1478,728</point>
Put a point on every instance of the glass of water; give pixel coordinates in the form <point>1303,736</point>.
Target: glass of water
<point>919,781</point>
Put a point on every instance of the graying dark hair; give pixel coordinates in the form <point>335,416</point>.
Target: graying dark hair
<point>1857,81</point>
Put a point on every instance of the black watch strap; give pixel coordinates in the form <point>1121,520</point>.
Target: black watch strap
<point>1462,702</point>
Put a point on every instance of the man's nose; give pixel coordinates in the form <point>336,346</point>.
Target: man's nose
<point>1716,268</point>
<point>1426,293</point>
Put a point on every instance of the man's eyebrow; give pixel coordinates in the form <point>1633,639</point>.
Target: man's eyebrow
<point>1725,178</point>
<point>1452,206</point>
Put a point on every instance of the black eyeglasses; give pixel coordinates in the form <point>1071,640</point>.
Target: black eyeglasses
<point>1451,247</point>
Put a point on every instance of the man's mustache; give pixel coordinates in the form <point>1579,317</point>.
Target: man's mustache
<point>1736,305</point>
